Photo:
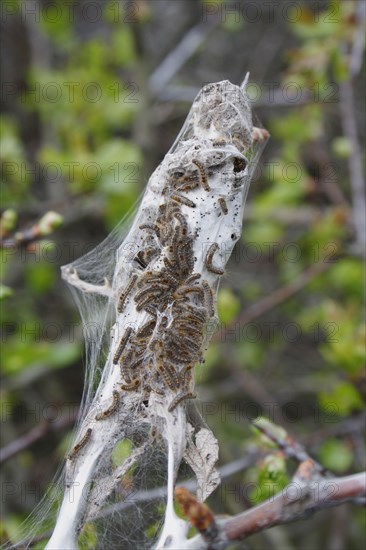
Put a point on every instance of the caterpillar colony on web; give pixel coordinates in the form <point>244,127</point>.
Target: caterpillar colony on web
<point>148,303</point>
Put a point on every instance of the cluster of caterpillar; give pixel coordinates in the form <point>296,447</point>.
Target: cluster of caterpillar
<point>160,356</point>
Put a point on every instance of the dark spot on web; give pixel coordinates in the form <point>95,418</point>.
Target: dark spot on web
<point>239,164</point>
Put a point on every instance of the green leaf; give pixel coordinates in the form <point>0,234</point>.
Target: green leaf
<point>121,451</point>
<point>41,276</point>
<point>345,399</point>
<point>88,537</point>
<point>336,455</point>
<point>5,291</point>
<point>228,305</point>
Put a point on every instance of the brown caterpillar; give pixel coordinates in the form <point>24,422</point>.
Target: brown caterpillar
<point>81,443</point>
<point>208,260</point>
<point>208,298</point>
<point>188,290</point>
<point>124,366</point>
<point>183,200</point>
<point>219,143</point>
<point>149,295</point>
<point>139,258</point>
<point>179,398</point>
<point>148,254</point>
<point>152,227</point>
<point>170,376</point>
<point>137,362</point>
<point>114,406</point>
<point>223,206</point>
<point>151,290</point>
<point>203,175</point>
<point>131,386</point>
<point>192,278</point>
<point>184,182</point>
<point>125,293</point>
<point>182,222</point>
<point>186,375</point>
<point>147,329</point>
<point>122,345</point>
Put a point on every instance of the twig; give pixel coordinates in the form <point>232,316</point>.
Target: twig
<point>359,41</point>
<point>175,60</point>
<point>291,447</point>
<point>44,227</point>
<point>280,295</point>
<point>319,494</point>
<point>298,500</point>
<point>34,435</point>
<point>349,125</point>
<point>348,120</point>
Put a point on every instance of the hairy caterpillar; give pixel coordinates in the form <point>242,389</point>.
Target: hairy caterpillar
<point>114,406</point>
<point>208,261</point>
<point>81,443</point>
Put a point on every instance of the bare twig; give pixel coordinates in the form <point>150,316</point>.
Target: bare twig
<point>280,295</point>
<point>175,60</point>
<point>35,434</point>
<point>291,447</point>
<point>349,125</point>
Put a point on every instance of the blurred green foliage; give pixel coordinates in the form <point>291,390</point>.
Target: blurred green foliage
<point>87,109</point>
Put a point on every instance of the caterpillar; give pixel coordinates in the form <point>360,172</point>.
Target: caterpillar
<point>131,386</point>
<point>223,205</point>
<point>183,200</point>
<point>114,406</point>
<point>122,345</point>
<point>125,293</point>
<point>179,398</point>
<point>208,260</point>
<point>81,443</point>
<point>208,298</point>
<point>203,175</point>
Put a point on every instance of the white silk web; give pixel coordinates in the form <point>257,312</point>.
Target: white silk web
<point>147,300</point>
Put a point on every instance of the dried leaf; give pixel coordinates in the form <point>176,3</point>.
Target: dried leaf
<point>202,456</point>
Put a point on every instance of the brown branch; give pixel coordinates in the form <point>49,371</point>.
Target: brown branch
<point>279,296</point>
<point>308,492</point>
<point>287,444</point>
<point>298,500</point>
<point>314,496</point>
<point>34,435</point>
<point>349,126</point>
